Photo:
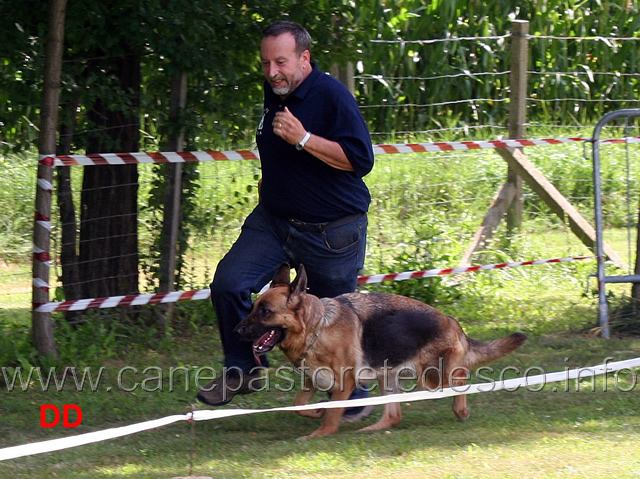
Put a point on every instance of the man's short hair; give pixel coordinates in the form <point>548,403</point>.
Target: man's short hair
<point>301,35</point>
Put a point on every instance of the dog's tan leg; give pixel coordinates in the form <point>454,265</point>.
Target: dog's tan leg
<point>332,417</point>
<point>304,397</point>
<point>458,375</point>
<point>460,408</point>
<point>391,416</point>
<point>392,413</point>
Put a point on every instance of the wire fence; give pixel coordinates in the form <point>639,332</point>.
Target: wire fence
<point>426,206</point>
<point>482,78</point>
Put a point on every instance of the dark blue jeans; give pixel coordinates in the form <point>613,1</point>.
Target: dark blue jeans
<point>332,260</point>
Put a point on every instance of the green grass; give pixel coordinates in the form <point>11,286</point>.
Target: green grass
<point>549,433</point>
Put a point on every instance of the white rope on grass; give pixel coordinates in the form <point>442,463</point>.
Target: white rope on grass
<point>206,415</point>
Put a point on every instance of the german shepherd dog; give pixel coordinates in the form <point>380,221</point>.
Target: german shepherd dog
<point>359,337</point>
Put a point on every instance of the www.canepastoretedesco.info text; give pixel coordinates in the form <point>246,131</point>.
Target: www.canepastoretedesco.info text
<point>285,378</point>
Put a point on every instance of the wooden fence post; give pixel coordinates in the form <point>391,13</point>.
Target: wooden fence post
<point>517,110</point>
<point>508,201</point>
<point>172,198</point>
<point>41,324</point>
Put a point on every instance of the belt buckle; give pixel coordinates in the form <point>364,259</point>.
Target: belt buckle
<point>295,222</point>
<point>306,227</point>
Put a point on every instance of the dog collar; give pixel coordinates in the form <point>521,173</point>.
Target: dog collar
<point>313,341</point>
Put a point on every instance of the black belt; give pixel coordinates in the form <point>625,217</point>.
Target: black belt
<point>320,227</point>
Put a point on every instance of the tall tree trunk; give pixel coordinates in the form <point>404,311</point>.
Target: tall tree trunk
<point>41,323</point>
<point>109,217</point>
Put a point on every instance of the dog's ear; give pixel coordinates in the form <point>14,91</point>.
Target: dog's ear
<point>282,276</point>
<point>299,285</point>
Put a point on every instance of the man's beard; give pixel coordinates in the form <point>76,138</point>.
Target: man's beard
<point>289,86</point>
<point>281,90</point>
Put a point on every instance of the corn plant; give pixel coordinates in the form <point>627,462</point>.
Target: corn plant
<point>579,65</point>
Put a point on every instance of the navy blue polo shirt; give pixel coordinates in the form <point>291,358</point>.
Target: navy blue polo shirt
<point>295,184</point>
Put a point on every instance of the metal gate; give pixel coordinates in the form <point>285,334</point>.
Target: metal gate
<point>603,307</point>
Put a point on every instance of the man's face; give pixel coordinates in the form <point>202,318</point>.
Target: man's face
<point>281,65</point>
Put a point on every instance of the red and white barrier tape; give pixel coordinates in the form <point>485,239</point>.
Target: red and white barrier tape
<point>508,385</point>
<point>159,157</point>
<point>196,156</point>
<point>466,145</point>
<point>119,301</point>
<point>42,221</point>
<point>378,278</point>
<point>142,299</point>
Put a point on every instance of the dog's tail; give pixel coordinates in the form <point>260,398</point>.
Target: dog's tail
<point>481,353</point>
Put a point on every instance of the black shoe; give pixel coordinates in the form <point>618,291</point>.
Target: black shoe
<point>356,414</point>
<point>222,390</point>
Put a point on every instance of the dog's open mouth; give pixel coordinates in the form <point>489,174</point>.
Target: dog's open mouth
<point>267,341</point>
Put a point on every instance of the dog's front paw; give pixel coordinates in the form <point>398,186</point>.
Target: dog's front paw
<point>321,431</point>
<point>463,414</point>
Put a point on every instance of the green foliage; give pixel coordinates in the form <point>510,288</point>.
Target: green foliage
<point>21,64</point>
<point>217,44</point>
<point>88,343</point>
<point>418,257</point>
<point>16,202</point>
<point>154,218</point>
<point>410,80</point>
<point>16,348</point>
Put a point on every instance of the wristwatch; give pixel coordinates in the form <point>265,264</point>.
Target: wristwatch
<point>301,143</point>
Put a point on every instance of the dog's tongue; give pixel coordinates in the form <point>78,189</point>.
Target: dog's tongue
<point>264,344</point>
<point>257,358</point>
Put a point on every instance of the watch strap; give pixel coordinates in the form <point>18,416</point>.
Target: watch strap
<point>301,143</point>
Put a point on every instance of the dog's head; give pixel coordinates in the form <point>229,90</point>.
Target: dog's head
<point>274,313</point>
